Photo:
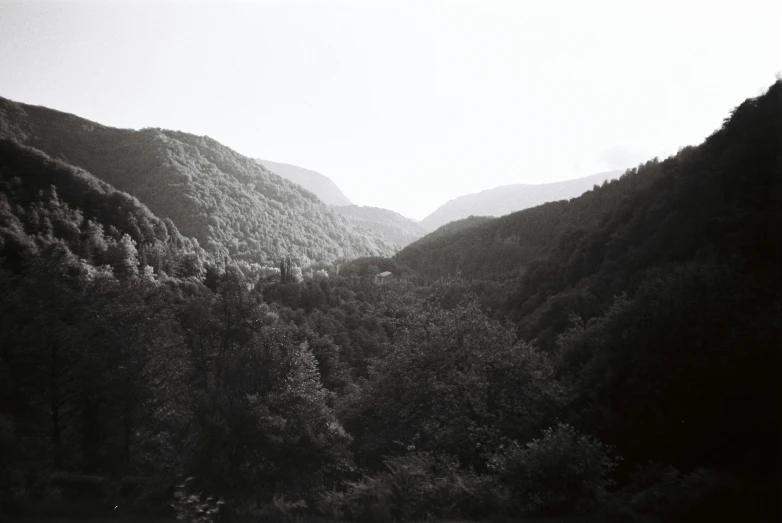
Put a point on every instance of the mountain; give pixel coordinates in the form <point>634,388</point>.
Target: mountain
<point>658,294</point>
<point>313,181</point>
<point>634,331</point>
<point>231,204</point>
<point>450,230</point>
<point>650,214</point>
<point>510,198</point>
<point>48,206</point>
<point>717,202</point>
<point>389,225</point>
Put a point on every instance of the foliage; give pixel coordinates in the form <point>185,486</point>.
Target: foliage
<point>392,227</point>
<point>659,293</point>
<point>231,204</point>
<point>645,315</point>
<point>560,473</point>
<point>413,487</point>
<point>191,508</point>
<point>455,380</point>
<point>368,267</point>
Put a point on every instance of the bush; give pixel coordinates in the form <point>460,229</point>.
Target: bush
<point>278,509</point>
<point>561,473</point>
<point>417,486</point>
<point>193,507</point>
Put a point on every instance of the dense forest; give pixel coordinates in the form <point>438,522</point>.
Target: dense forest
<point>614,355</point>
<point>231,204</point>
<point>389,225</point>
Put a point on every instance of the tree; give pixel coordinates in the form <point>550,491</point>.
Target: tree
<point>455,381</point>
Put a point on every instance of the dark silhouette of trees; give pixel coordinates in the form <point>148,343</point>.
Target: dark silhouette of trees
<point>515,361</point>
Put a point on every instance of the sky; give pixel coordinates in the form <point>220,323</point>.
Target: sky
<point>403,104</point>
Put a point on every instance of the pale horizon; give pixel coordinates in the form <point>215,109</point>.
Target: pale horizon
<point>404,105</point>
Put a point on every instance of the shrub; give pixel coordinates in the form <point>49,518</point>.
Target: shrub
<point>561,473</point>
<point>416,486</point>
<point>332,504</point>
<point>192,507</point>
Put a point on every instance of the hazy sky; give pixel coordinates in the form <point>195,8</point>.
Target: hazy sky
<point>404,105</point>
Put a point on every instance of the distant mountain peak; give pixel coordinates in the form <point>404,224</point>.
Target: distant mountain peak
<point>319,184</point>
<point>506,199</point>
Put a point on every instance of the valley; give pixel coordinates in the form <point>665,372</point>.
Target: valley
<point>186,333</point>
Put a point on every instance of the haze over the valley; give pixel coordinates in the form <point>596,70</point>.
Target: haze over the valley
<point>403,105</point>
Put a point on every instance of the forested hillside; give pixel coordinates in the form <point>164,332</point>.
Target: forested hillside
<point>51,209</point>
<point>506,199</point>
<point>615,356</point>
<point>502,247</point>
<point>313,181</point>
<point>659,293</point>
<point>393,228</point>
<point>230,203</point>
<point>389,225</point>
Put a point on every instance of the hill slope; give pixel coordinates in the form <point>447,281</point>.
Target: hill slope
<point>313,181</point>
<point>389,225</point>
<point>506,199</point>
<point>46,204</point>
<point>230,203</point>
<point>659,294</point>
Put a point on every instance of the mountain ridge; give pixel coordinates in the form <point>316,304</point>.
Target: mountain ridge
<point>230,203</point>
<point>321,185</point>
<point>505,199</point>
<point>392,226</point>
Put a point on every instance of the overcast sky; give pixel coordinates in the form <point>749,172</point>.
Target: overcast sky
<point>404,105</point>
